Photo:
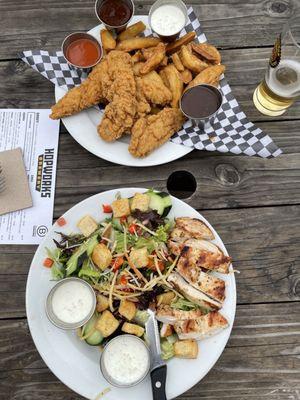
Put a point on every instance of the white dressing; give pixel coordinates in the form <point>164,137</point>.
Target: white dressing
<point>72,302</point>
<point>167,20</point>
<point>126,360</point>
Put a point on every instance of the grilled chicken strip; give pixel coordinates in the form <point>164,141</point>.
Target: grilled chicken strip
<point>201,327</point>
<point>191,293</point>
<point>212,286</point>
<point>169,315</point>
<point>204,254</point>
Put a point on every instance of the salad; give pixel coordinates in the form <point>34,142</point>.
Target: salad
<point>137,258</point>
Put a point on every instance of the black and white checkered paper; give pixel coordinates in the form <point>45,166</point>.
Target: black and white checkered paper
<point>230,132</point>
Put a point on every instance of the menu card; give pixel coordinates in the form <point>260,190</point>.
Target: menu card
<point>37,135</point>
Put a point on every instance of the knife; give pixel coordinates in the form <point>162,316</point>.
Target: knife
<point>158,371</point>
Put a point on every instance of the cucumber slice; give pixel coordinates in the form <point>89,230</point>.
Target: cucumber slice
<point>95,338</point>
<point>161,202</point>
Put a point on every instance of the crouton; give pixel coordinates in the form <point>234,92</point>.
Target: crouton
<point>140,202</point>
<point>139,257</point>
<point>102,303</point>
<point>165,298</point>
<point>166,330</point>
<point>133,329</point>
<point>101,256</point>
<point>121,208</point>
<point>186,348</point>
<point>106,323</point>
<point>127,309</point>
<point>87,225</point>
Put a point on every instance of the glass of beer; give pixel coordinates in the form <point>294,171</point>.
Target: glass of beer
<point>281,85</point>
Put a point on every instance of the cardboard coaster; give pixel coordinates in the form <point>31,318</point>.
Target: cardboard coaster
<point>16,195</point>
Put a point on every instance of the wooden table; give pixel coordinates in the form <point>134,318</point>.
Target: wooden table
<point>253,203</point>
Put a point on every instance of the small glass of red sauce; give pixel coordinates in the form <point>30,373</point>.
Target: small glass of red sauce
<point>82,50</point>
<point>114,14</point>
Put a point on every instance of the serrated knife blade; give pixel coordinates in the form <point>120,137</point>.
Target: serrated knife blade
<point>158,370</point>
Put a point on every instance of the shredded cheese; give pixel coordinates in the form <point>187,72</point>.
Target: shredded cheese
<point>111,289</point>
<point>103,393</point>
<point>146,229</point>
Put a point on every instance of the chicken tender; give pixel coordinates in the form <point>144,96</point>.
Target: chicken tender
<point>154,89</point>
<point>143,107</point>
<point>91,92</point>
<point>120,112</point>
<point>152,131</point>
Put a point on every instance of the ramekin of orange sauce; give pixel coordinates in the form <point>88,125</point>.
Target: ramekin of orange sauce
<point>82,50</point>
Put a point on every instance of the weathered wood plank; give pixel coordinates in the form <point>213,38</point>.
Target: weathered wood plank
<point>27,25</point>
<point>264,244</point>
<point>261,350</point>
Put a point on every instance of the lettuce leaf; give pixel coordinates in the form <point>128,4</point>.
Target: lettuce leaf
<point>167,349</point>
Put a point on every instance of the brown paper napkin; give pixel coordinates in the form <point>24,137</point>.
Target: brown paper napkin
<point>16,194</point>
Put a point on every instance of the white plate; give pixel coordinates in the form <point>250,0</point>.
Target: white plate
<point>74,362</point>
<point>83,128</point>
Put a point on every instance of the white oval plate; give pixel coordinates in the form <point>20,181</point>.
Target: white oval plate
<point>83,128</point>
<point>74,362</point>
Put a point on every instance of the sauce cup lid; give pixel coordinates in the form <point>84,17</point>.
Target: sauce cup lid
<point>178,3</point>
<point>80,35</point>
<point>116,27</point>
<point>110,378</point>
<point>52,316</point>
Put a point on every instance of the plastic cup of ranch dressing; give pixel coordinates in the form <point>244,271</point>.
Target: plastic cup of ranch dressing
<point>167,18</point>
<point>70,303</point>
<point>125,361</point>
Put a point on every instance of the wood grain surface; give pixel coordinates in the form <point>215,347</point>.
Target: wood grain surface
<point>253,203</point>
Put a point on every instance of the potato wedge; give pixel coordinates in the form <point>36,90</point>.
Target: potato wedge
<point>137,57</point>
<point>164,78</point>
<point>190,61</point>
<point>207,51</point>
<point>138,43</point>
<point>210,75</point>
<point>132,31</point>
<point>147,53</point>
<point>155,59</point>
<point>177,62</point>
<point>175,84</point>
<point>175,46</point>
<point>186,76</point>
<point>107,39</point>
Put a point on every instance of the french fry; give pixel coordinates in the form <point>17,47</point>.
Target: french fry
<point>156,58</point>
<point>190,61</point>
<point>175,84</point>
<point>210,75</point>
<point>138,43</point>
<point>175,46</point>
<point>207,51</point>
<point>107,39</point>
<point>177,62</point>
<point>186,76</point>
<point>132,31</point>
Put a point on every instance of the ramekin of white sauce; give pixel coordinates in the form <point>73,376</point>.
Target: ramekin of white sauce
<point>125,361</point>
<point>70,303</point>
<point>167,18</point>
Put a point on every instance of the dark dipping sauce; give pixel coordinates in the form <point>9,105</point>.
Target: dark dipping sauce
<point>200,102</point>
<point>83,52</point>
<point>115,12</point>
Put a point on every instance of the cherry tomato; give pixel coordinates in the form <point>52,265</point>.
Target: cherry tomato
<point>107,208</point>
<point>117,263</point>
<point>48,262</point>
<point>123,280</point>
<point>123,219</point>
<point>61,221</point>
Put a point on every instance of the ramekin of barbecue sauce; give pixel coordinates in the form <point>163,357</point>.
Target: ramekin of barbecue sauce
<point>82,50</point>
<point>114,14</point>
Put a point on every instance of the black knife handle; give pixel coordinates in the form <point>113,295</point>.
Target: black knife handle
<point>158,381</point>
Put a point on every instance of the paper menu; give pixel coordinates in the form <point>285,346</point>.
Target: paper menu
<point>37,135</point>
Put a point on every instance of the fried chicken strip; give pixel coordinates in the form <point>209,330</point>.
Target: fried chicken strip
<point>120,112</point>
<point>91,92</point>
<point>154,130</point>
<point>154,89</point>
